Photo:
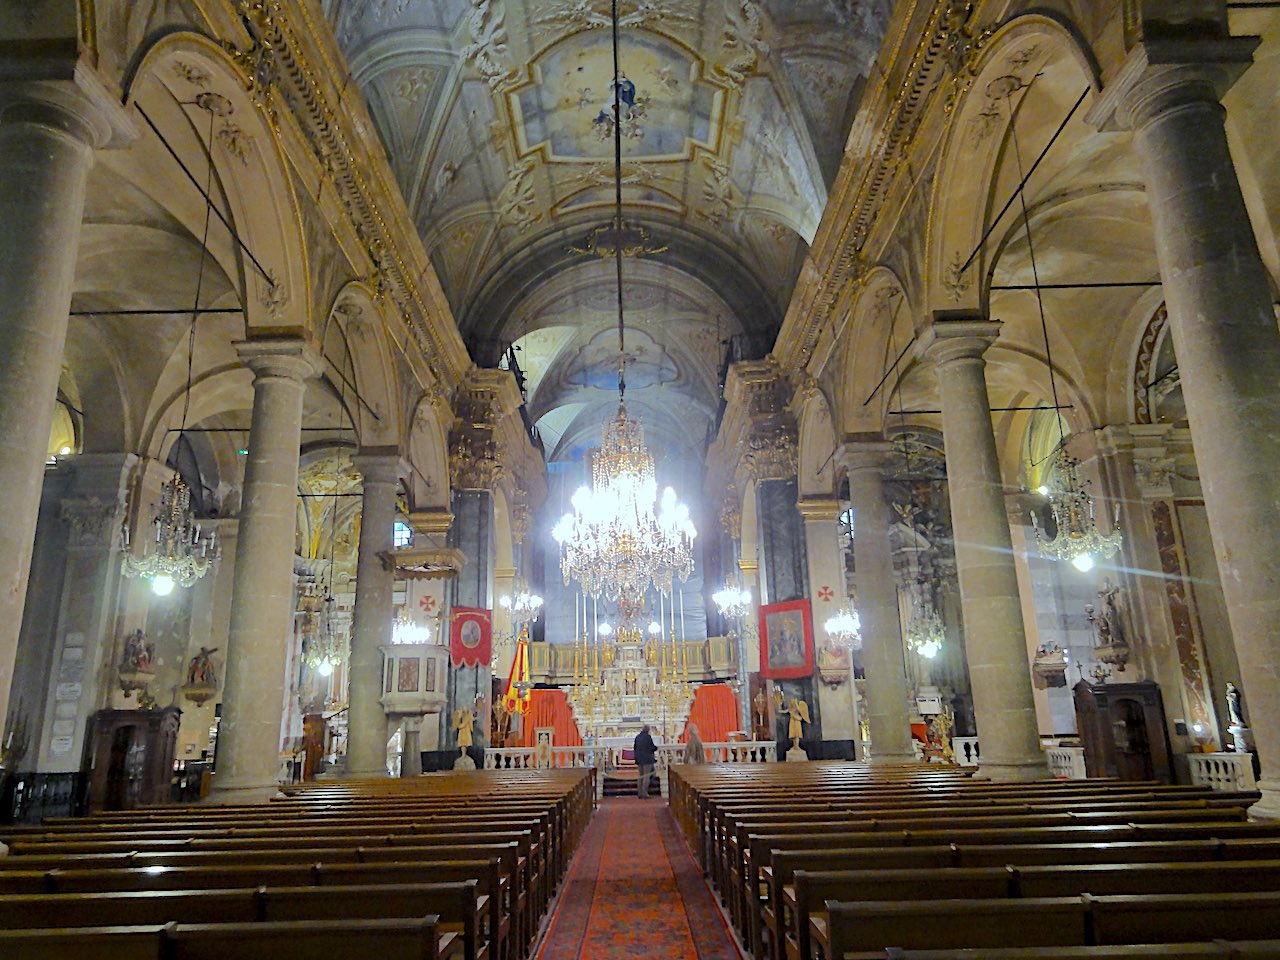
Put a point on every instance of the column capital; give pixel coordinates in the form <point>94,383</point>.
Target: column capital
<point>864,451</point>
<point>947,339</point>
<point>80,106</point>
<point>288,358</point>
<point>1165,74</point>
<point>380,464</point>
<point>818,508</point>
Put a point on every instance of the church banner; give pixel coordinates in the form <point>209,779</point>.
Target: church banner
<point>786,640</point>
<point>471,637</point>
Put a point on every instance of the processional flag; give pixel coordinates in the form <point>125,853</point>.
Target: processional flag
<point>516,699</point>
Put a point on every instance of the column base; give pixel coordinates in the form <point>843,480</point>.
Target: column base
<point>1017,771</point>
<point>888,759</point>
<point>232,793</point>
<point>1268,806</point>
<point>377,773</point>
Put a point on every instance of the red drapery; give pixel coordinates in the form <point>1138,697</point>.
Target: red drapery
<point>715,711</point>
<point>550,708</point>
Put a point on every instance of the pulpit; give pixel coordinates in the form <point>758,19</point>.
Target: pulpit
<point>128,757</point>
<point>1123,729</point>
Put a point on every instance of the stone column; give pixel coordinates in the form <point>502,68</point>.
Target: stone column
<point>1223,324</point>
<point>48,132</point>
<point>261,627</point>
<point>375,582</point>
<point>995,639</point>
<point>886,688</point>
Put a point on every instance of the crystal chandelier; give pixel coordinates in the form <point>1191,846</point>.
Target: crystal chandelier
<point>732,601</point>
<point>523,604</point>
<point>181,553</point>
<point>1077,537</point>
<point>844,629</point>
<point>405,631</point>
<point>325,649</point>
<point>620,538</point>
<point>925,633</point>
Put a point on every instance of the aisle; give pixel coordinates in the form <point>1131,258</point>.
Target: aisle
<point>634,891</point>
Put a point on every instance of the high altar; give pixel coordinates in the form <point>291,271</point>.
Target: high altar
<point>637,681</point>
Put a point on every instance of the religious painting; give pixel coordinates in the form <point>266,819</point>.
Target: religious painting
<point>471,637</point>
<point>407,682</point>
<point>786,640</point>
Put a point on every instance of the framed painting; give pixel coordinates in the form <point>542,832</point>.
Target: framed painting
<point>786,640</point>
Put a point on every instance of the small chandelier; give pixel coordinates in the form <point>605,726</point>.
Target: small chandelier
<point>181,553</point>
<point>1077,538</point>
<point>524,605</point>
<point>732,601</point>
<point>325,649</point>
<point>405,631</point>
<point>844,629</point>
<point>925,632</point>
<point>620,538</point>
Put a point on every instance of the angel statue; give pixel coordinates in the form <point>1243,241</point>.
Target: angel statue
<point>799,716</point>
<point>463,721</point>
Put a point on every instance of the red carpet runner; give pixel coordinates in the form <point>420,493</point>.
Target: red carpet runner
<point>634,891</point>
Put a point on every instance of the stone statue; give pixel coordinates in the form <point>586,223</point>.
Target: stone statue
<point>1106,622</point>
<point>1234,708</point>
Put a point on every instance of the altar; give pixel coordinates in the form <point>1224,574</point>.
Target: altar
<point>627,684</point>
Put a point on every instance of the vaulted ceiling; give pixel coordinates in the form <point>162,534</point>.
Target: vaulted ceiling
<point>492,115</point>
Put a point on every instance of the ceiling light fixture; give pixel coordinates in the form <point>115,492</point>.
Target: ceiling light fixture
<point>621,538</point>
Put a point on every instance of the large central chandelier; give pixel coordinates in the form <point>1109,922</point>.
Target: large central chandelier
<point>1077,537</point>
<point>621,538</point>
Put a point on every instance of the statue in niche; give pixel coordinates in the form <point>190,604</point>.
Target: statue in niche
<point>631,683</point>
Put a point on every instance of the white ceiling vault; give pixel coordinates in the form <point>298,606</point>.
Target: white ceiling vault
<point>491,115</point>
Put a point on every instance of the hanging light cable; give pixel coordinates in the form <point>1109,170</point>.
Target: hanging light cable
<point>1077,537</point>
<point>622,538</point>
<point>180,553</point>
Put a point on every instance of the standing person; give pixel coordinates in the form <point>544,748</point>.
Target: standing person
<point>646,753</point>
<point>693,750</point>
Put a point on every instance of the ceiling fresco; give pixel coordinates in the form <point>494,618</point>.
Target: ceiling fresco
<point>497,119</point>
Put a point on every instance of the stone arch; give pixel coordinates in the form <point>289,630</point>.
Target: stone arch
<point>428,446</point>
<point>958,263</point>
<point>354,336</point>
<point>816,473</point>
<point>880,327</point>
<point>504,554</point>
<point>251,170</point>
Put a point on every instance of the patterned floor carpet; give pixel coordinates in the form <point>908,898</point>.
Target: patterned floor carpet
<point>634,891</point>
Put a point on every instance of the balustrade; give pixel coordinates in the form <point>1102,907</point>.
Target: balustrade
<point>1228,772</point>
<point>1066,763</point>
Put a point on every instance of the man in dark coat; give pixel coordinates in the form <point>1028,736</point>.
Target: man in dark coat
<point>646,753</point>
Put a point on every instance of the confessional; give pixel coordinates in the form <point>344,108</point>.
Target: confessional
<point>1123,730</point>
<point>128,757</point>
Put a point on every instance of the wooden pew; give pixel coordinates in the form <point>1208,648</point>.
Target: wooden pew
<point>851,928</point>
<point>388,939</point>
